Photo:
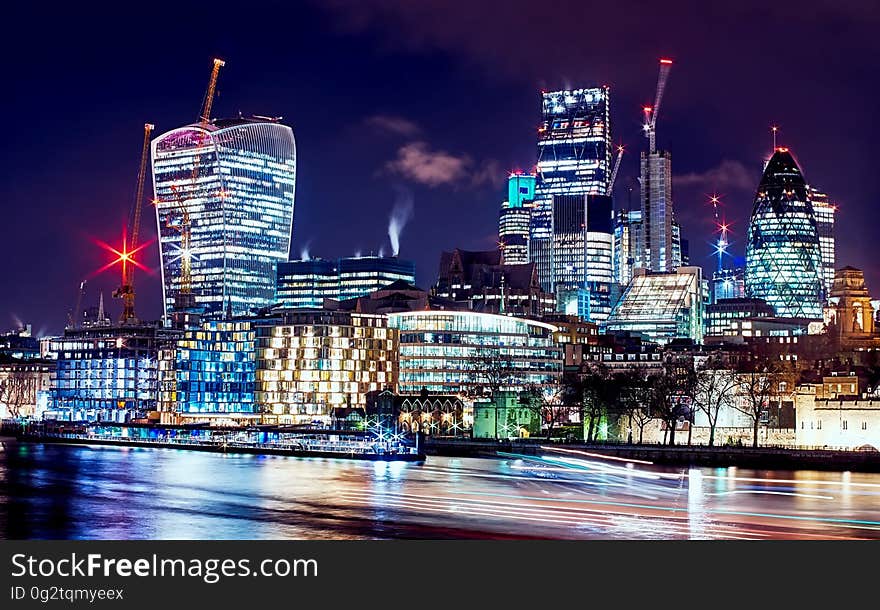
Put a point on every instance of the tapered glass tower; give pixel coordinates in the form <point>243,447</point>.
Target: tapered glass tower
<point>783,258</point>
<point>224,206</point>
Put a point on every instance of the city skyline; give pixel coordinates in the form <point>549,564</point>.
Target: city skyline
<point>446,173</point>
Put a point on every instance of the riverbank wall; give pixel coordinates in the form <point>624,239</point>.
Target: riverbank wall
<point>757,458</point>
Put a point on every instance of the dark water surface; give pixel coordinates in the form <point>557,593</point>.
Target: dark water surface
<point>74,492</point>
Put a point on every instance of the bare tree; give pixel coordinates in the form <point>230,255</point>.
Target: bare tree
<point>759,381</point>
<point>633,400</point>
<point>548,405</point>
<point>17,389</point>
<point>668,395</point>
<point>492,372</point>
<point>715,388</point>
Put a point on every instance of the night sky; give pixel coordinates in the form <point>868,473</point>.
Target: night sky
<point>424,100</point>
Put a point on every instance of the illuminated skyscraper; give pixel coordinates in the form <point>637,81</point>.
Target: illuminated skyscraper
<point>783,256</point>
<point>515,219</point>
<point>230,186</point>
<point>824,211</point>
<point>574,158</point>
<point>658,251</point>
<point>582,264</point>
<point>627,237</point>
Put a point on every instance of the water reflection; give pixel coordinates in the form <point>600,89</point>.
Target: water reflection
<point>53,491</point>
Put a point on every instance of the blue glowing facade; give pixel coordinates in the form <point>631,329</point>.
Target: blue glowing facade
<point>783,255</point>
<point>211,372</point>
<point>234,181</point>
<point>107,373</point>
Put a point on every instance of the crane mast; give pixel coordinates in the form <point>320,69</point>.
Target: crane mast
<point>651,112</point>
<point>184,298</point>
<point>614,172</point>
<point>126,289</point>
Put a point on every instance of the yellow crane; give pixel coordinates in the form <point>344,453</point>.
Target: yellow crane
<point>182,224</point>
<point>126,289</point>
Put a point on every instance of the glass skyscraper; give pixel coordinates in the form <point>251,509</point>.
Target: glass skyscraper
<point>574,158</point>
<point>783,256</point>
<point>232,182</point>
<point>824,211</point>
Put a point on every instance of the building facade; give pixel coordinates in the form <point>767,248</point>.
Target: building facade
<point>824,211</point>
<point>722,314</point>
<point>227,188</point>
<point>783,256</point>
<point>657,252</point>
<point>728,284</point>
<point>627,241</point>
<point>574,158</point>
<point>306,283</point>
<point>480,281</point>
<point>210,374</point>
<point>311,361</point>
<point>470,353</point>
<point>583,255</point>
<point>661,306</point>
<point>107,373</point>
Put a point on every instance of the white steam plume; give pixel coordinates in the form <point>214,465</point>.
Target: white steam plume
<point>400,215</point>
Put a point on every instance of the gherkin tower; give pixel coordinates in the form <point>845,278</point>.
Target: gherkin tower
<point>783,258</point>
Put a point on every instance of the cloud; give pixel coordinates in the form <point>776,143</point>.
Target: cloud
<point>727,175</point>
<point>394,125</point>
<point>417,162</point>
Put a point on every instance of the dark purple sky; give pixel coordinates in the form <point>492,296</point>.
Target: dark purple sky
<point>429,99</point>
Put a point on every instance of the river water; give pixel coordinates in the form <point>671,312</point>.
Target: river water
<point>76,492</point>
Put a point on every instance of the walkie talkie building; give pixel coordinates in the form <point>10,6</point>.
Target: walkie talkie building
<point>224,195</point>
<point>783,257</point>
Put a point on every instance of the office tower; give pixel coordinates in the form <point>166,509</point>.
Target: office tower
<point>658,249</point>
<point>582,263</point>
<point>306,283</point>
<point>661,306</point>
<point>627,237</point>
<point>574,158</point>
<point>224,207</point>
<point>515,219</point>
<point>783,256</point>
<point>824,211</point>
<point>661,246</point>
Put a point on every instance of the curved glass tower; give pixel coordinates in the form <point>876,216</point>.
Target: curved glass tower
<point>783,258</point>
<point>230,185</point>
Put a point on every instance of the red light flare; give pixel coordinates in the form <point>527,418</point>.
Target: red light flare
<point>665,61</point>
<point>124,256</point>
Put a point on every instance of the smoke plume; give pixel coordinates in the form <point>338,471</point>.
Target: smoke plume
<point>400,215</point>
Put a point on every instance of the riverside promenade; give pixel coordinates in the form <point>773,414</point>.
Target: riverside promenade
<point>776,458</point>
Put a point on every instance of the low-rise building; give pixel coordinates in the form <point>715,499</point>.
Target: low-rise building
<point>473,354</point>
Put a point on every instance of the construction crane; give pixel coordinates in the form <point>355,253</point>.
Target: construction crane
<point>614,172</point>
<point>208,103</point>
<point>126,289</point>
<point>73,318</point>
<point>182,223</point>
<point>651,112</point>
<point>184,292</point>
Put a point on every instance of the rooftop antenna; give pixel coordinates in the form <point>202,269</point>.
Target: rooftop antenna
<point>774,129</point>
